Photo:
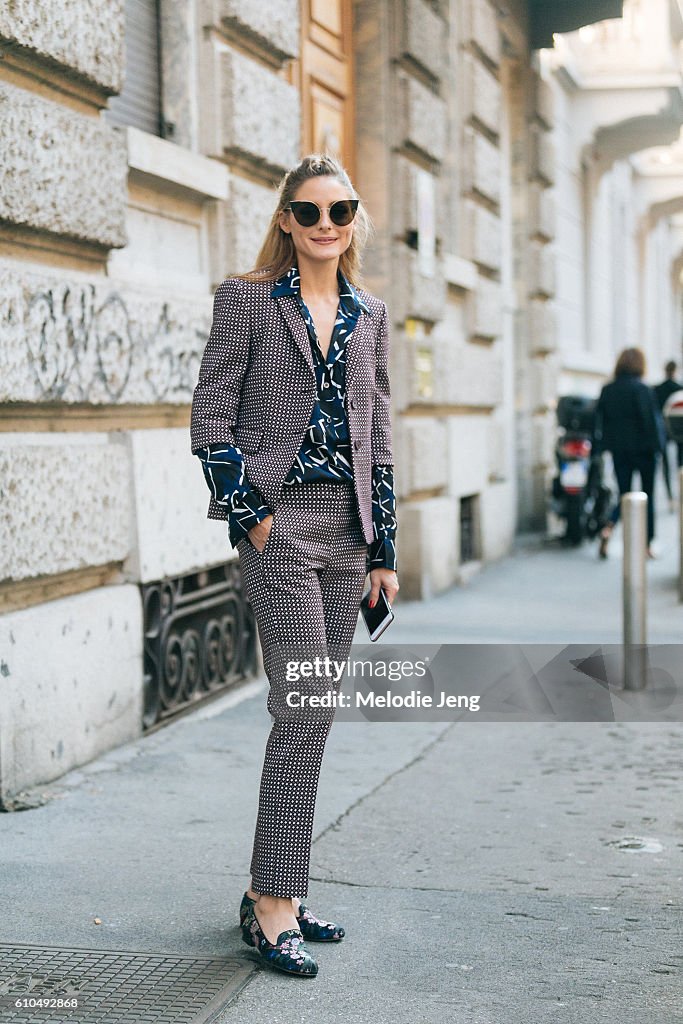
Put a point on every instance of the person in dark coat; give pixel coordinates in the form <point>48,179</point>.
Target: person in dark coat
<point>662,391</point>
<point>628,424</point>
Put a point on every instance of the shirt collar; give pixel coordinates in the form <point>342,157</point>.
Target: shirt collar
<point>290,284</point>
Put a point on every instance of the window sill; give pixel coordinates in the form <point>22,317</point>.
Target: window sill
<point>175,168</point>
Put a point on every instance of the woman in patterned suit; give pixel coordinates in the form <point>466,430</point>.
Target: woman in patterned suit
<point>291,421</point>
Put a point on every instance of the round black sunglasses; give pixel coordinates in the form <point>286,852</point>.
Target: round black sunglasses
<point>307,214</point>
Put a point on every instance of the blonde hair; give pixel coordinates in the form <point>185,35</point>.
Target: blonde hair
<point>278,254</point>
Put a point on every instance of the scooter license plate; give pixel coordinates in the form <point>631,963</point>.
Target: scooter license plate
<point>573,474</point>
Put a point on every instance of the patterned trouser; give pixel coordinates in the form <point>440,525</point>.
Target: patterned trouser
<point>305,588</point>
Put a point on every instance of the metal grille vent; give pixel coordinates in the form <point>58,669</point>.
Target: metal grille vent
<point>114,987</point>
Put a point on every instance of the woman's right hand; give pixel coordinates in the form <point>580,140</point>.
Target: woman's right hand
<point>258,535</point>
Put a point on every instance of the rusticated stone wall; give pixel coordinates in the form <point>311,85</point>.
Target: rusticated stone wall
<point>66,339</point>
<point>84,39</point>
<point>62,171</point>
<point>113,241</point>
<point>254,125</point>
<point>66,504</point>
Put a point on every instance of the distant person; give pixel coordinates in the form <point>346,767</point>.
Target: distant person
<point>626,424</point>
<point>662,392</point>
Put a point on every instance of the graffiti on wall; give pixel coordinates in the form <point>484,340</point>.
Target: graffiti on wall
<point>89,343</point>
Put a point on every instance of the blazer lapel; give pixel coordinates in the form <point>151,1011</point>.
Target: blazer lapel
<point>356,344</point>
<point>289,309</point>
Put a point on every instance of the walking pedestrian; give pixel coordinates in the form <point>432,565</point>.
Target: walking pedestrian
<point>662,391</point>
<point>626,425</point>
<point>291,420</point>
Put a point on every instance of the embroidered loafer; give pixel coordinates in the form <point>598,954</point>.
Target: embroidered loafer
<point>315,930</point>
<point>288,954</point>
<point>312,928</point>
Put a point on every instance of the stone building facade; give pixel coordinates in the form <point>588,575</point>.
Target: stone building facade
<point>141,142</point>
<point>618,104</point>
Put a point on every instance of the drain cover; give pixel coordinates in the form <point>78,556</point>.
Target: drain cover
<point>637,844</point>
<point>96,986</point>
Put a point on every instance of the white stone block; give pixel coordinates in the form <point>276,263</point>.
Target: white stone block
<point>543,433</point>
<point>423,36</point>
<point>66,337</point>
<point>481,235</point>
<point>542,327</point>
<point>498,446</point>
<point>544,101</point>
<point>541,269</point>
<point>481,96</point>
<point>427,546</point>
<point>542,155</point>
<point>416,295</point>
<point>426,439</point>
<point>481,166</point>
<point>486,309</point>
<point>179,171</point>
<point>165,252</point>
<point>468,374</point>
<point>542,385</point>
<point>401,374</point>
<point>497,508</point>
<point>72,683</point>
<point>275,25</point>
<point>541,211</point>
<point>82,37</point>
<point>450,333</point>
<point>468,437</point>
<point>65,501</point>
<point>52,173</point>
<point>424,118</point>
<point>171,532</point>
<point>480,26</point>
<point>247,215</point>
<point>260,113</point>
<point>459,272</point>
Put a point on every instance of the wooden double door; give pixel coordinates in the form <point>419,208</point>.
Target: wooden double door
<point>324,75</point>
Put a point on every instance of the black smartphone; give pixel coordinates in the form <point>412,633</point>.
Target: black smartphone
<point>377,619</point>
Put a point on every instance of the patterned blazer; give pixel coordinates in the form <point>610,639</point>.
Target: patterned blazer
<point>257,389</point>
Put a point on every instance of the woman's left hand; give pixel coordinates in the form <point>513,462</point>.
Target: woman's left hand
<point>387,580</point>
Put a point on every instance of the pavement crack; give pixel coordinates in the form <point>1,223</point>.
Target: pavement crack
<point>334,825</point>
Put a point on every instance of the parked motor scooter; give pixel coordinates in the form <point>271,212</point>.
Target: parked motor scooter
<point>673,416</point>
<point>579,494</point>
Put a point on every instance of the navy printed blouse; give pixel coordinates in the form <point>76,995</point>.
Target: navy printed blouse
<point>325,452</point>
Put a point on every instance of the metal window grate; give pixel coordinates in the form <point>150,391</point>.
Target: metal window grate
<point>114,986</point>
<point>199,638</point>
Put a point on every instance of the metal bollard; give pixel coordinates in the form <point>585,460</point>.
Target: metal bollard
<point>680,534</point>
<point>634,518</point>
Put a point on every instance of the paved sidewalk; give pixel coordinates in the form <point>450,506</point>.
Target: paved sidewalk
<point>545,592</point>
<point>486,873</point>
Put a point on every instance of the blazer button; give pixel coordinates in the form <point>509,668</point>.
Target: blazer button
<point>352,403</point>
<point>357,443</point>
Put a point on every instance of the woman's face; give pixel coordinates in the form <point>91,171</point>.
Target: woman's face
<point>325,240</point>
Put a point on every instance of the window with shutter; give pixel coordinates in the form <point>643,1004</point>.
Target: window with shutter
<point>139,103</point>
